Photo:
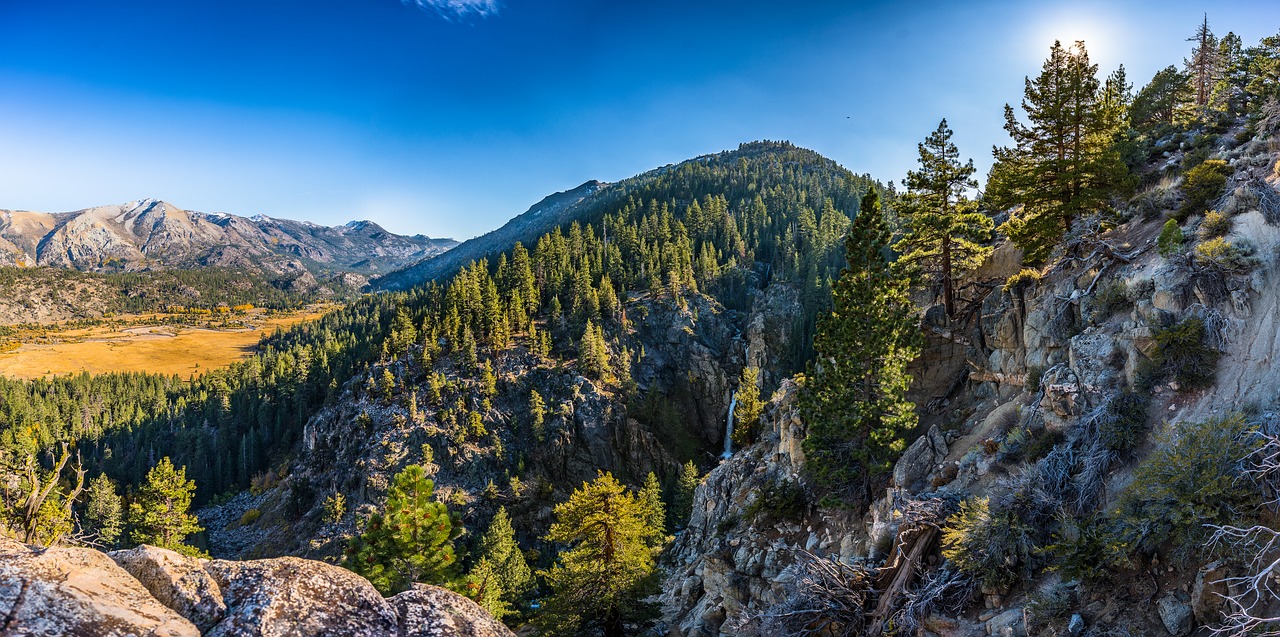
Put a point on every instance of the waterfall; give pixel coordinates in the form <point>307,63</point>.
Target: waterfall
<point>728,429</point>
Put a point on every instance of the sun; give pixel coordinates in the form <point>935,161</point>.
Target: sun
<point>1088,25</point>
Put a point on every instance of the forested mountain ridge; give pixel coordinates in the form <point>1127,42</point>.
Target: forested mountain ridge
<point>553,210</point>
<point>588,203</point>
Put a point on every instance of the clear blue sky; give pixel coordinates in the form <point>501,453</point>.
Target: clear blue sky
<point>447,117</point>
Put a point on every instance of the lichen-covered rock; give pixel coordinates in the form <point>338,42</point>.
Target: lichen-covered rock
<point>430,611</point>
<point>1175,615</point>
<point>293,596</point>
<point>920,459</point>
<point>177,581</point>
<point>76,591</point>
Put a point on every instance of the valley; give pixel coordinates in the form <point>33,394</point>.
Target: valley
<point>173,344</point>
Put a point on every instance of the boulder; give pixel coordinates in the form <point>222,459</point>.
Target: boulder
<point>1209,592</point>
<point>1175,615</point>
<point>78,591</point>
<point>429,611</point>
<point>920,459</point>
<point>1095,358</point>
<point>177,581</point>
<point>1007,624</point>
<point>1075,627</point>
<point>293,596</point>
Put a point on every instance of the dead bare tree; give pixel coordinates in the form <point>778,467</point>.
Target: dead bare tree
<point>946,590</point>
<point>828,598</point>
<point>39,491</point>
<point>1253,600</point>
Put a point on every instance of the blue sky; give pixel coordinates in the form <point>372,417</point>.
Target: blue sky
<point>447,117</point>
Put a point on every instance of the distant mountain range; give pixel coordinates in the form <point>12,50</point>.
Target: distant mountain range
<point>150,234</point>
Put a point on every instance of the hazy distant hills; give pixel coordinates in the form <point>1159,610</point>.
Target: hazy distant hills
<point>151,234</point>
<point>553,210</point>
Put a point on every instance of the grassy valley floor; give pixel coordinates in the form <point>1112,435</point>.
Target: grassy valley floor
<point>145,344</point>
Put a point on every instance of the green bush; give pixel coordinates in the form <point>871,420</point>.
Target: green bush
<point>1124,421</point>
<point>1034,376</point>
<point>1023,279</point>
<point>1203,186</point>
<point>250,517</point>
<point>1225,255</point>
<point>1154,201</point>
<point>1087,548</point>
<point>1041,443</point>
<point>1181,352</point>
<point>1170,239</point>
<point>1215,225</point>
<point>988,544</point>
<point>782,500</point>
<point>1192,479</point>
<point>1109,299</point>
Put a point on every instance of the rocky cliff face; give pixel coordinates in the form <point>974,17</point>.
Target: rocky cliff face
<point>150,234</point>
<point>152,591</point>
<point>1041,355</point>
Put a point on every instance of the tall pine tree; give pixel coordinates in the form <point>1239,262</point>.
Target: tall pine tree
<point>159,514</point>
<point>501,577</point>
<point>1061,164</point>
<point>410,540</point>
<point>104,512</point>
<point>854,396</point>
<point>945,232</point>
<point>607,570</point>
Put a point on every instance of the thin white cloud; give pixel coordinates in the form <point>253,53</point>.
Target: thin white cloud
<point>457,9</point>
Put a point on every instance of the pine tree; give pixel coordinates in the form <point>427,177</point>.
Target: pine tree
<point>386,384</point>
<point>746,413</point>
<point>655,509</point>
<point>593,354</point>
<point>1061,164</point>
<point>485,586</point>
<point>854,396</point>
<point>1158,101</point>
<point>402,335</point>
<point>158,515</point>
<point>685,486</point>
<point>104,512</point>
<point>537,416</point>
<point>501,560</point>
<point>410,540</point>
<point>601,579</point>
<point>945,232</point>
<point>1203,67</point>
<point>488,380</point>
<point>1229,94</point>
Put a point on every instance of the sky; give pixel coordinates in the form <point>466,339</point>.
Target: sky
<point>448,117</point>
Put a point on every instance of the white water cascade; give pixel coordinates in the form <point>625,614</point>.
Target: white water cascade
<point>728,429</point>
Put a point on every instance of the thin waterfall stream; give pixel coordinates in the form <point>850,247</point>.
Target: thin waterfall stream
<point>728,429</point>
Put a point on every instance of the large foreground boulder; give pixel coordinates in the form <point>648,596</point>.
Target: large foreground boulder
<point>73,591</point>
<point>293,596</point>
<point>177,581</point>
<point>160,593</point>
<point>427,611</point>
